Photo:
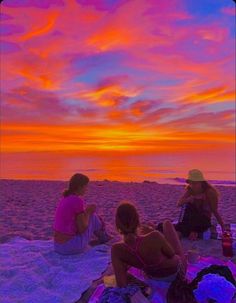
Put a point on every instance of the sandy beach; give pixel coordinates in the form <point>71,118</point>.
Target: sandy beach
<point>28,209</point>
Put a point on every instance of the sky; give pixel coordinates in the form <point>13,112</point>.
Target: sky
<point>106,76</point>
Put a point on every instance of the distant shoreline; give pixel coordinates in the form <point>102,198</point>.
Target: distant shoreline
<point>168,181</point>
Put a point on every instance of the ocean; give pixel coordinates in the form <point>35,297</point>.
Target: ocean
<point>162,167</point>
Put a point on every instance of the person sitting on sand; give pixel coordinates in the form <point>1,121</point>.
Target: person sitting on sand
<point>201,201</point>
<point>75,223</point>
<point>159,256</point>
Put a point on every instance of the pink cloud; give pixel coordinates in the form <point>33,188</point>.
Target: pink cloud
<point>168,66</point>
<point>45,4</point>
<point>228,11</point>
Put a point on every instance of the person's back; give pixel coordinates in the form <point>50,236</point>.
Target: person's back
<point>152,252</point>
<point>66,213</point>
<point>75,224</point>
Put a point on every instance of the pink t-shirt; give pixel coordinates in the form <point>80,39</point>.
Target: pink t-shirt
<point>67,210</point>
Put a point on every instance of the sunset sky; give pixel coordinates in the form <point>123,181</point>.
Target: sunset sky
<point>135,76</point>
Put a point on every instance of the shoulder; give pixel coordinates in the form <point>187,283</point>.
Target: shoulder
<point>75,199</point>
<point>117,245</point>
<point>117,248</point>
<point>154,236</point>
<point>154,239</point>
<point>74,203</point>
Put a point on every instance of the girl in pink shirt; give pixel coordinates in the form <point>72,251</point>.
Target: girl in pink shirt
<point>75,223</point>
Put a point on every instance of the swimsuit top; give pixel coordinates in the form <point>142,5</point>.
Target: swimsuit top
<point>149,269</point>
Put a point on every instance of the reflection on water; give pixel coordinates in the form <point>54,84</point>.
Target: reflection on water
<point>162,167</point>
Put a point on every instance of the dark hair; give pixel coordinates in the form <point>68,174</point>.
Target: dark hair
<point>205,186</point>
<point>127,218</point>
<point>221,270</point>
<point>76,182</point>
<point>180,291</point>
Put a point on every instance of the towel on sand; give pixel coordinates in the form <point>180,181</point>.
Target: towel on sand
<point>159,288</point>
<point>32,272</point>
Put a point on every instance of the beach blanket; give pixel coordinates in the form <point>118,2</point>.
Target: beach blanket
<point>159,288</point>
<point>32,272</point>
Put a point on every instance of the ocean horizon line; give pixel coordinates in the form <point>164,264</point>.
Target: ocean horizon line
<point>170,181</point>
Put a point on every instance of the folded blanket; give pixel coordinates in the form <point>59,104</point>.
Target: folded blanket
<point>32,272</point>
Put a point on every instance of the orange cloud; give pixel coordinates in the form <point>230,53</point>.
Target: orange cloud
<point>127,138</point>
<point>108,95</point>
<point>171,70</point>
<point>210,96</point>
<point>38,31</point>
<point>109,38</point>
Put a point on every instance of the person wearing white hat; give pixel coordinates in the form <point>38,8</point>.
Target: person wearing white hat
<point>201,201</point>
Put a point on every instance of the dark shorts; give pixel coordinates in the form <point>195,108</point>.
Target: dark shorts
<point>193,221</point>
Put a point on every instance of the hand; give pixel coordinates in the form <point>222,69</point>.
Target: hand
<point>91,208</point>
<point>193,236</point>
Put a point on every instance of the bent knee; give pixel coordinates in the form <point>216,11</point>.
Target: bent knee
<point>167,223</point>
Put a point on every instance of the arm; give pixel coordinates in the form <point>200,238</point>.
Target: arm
<point>120,269</point>
<point>187,197</point>
<point>166,248</point>
<point>213,200</point>
<point>82,219</point>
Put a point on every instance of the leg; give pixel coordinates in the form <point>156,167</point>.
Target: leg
<point>173,238</point>
<point>98,229</point>
<point>189,222</point>
<point>201,224</point>
<point>80,242</point>
<point>179,234</point>
<point>95,224</point>
<point>159,227</point>
<point>74,246</point>
<point>146,229</point>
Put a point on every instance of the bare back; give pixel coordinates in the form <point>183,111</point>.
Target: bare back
<point>154,255</point>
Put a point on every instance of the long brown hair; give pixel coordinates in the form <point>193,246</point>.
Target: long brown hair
<point>127,218</point>
<point>205,186</point>
<point>76,182</point>
<point>180,291</point>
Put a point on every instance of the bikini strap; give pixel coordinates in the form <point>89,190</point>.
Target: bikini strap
<point>135,250</point>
